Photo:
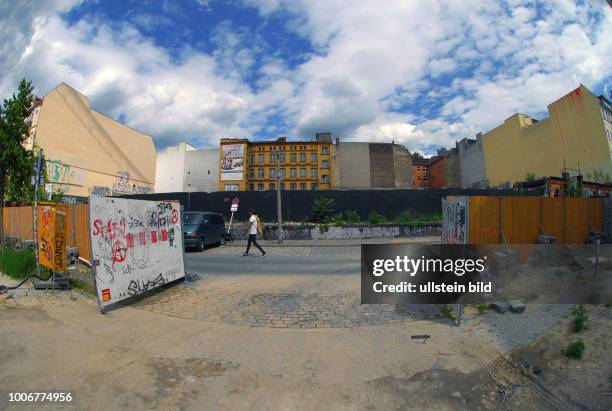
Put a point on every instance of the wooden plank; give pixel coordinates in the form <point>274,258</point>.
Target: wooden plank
<point>521,219</point>
<point>483,222</point>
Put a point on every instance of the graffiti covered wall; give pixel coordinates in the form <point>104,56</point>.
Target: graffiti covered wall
<point>136,246</point>
<point>455,220</point>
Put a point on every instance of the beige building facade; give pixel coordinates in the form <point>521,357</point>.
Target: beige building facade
<point>87,152</point>
<point>576,137</point>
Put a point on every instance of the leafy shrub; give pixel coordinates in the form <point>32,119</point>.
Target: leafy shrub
<point>17,263</point>
<point>375,218</point>
<point>575,350</point>
<point>406,217</point>
<point>323,209</point>
<point>338,221</point>
<point>323,228</point>
<point>581,318</point>
<point>483,308</point>
<point>448,312</point>
<point>351,217</point>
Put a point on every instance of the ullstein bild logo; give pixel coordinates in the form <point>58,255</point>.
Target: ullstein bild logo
<point>472,274</point>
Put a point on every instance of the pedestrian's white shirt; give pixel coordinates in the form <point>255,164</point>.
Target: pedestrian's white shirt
<point>253,220</point>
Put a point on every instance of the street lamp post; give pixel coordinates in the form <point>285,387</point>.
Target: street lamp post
<point>278,201</point>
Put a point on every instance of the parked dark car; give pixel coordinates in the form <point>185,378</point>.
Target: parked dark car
<point>203,228</point>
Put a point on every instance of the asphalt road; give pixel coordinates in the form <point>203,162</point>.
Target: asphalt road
<point>206,263</point>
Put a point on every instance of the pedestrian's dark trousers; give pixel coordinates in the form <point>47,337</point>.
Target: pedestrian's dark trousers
<point>253,239</point>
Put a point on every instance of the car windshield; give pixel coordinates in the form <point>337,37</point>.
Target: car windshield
<point>192,218</point>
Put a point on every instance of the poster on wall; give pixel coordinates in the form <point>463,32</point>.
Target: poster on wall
<point>51,227</point>
<point>137,246</point>
<point>232,161</point>
<point>455,220</point>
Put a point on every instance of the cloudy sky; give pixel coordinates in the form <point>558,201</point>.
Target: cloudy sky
<point>422,73</point>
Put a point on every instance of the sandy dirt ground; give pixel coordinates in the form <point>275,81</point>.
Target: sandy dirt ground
<point>138,359</point>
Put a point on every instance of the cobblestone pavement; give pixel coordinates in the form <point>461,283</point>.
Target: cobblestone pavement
<point>281,309</point>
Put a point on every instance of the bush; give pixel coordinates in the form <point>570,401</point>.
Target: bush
<point>17,263</point>
<point>323,228</point>
<point>375,218</point>
<point>581,318</point>
<point>449,312</point>
<point>323,209</point>
<point>575,350</point>
<point>338,221</point>
<point>352,217</point>
<point>483,308</point>
<point>411,218</point>
<point>406,217</point>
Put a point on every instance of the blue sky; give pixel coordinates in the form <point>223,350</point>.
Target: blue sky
<point>424,74</point>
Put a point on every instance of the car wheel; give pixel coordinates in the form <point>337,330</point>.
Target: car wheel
<point>201,246</point>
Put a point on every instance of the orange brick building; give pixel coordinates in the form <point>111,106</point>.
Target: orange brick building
<point>420,174</point>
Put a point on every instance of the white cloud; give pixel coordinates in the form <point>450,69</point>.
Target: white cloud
<point>370,58</point>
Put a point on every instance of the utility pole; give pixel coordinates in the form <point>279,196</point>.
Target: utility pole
<point>278,200</point>
<point>37,180</point>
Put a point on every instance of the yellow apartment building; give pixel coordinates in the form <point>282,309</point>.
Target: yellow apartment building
<point>87,152</point>
<point>577,135</point>
<point>252,166</point>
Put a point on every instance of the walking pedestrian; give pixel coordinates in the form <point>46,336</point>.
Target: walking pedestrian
<point>254,228</point>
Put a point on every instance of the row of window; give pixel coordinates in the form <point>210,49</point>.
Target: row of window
<point>292,157</point>
<point>292,186</point>
<point>324,150</point>
<point>421,168</point>
<point>424,178</point>
<point>261,173</point>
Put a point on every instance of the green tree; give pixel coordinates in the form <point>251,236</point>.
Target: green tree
<point>15,160</point>
<point>323,209</point>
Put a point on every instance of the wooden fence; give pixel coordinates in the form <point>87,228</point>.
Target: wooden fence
<point>519,220</point>
<point>17,222</point>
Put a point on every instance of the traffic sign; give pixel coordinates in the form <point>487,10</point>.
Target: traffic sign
<point>234,207</point>
<point>235,200</point>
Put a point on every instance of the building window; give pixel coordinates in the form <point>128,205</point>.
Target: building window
<point>252,158</point>
<point>281,172</point>
<point>251,173</point>
<point>302,157</point>
<point>272,186</point>
<point>282,157</point>
<point>282,186</point>
<point>419,178</point>
<point>325,150</point>
<point>303,172</point>
<point>261,158</point>
<point>419,168</point>
<point>303,186</point>
<point>313,172</point>
<point>325,179</point>
<point>325,164</point>
<point>272,173</point>
<point>293,157</point>
<point>293,186</point>
<point>313,157</point>
<point>293,173</point>
<point>273,157</point>
<point>313,186</point>
<point>252,187</point>
<point>260,187</point>
<point>425,178</point>
<point>260,172</point>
